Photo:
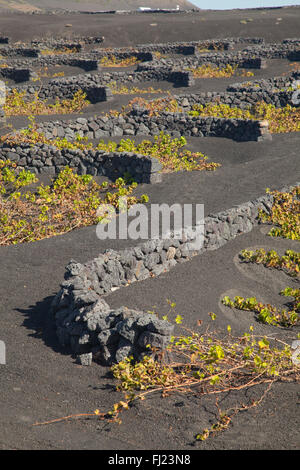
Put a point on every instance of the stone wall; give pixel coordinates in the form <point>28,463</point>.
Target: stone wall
<point>54,43</point>
<point>92,330</point>
<point>273,90</point>
<point>17,74</point>
<point>139,122</point>
<point>178,124</point>
<point>84,320</point>
<point>19,56</point>
<point>217,59</point>
<point>185,48</point>
<point>285,50</point>
<point>220,53</point>
<point>13,51</point>
<point>94,92</point>
<point>238,99</point>
<point>189,59</point>
<point>94,85</point>
<point>85,61</point>
<point>291,41</point>
<point>105,77</point>
<point>270,85</point>
<point>46,159</point>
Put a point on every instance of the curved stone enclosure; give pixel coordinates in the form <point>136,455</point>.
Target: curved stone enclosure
<point>153,67</point>
<point>47,159</point>
<point>87,324</point>
<point>84,321</point>
<point>140,122</point>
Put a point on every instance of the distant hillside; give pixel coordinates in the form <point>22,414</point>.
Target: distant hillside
<point>92,5</point>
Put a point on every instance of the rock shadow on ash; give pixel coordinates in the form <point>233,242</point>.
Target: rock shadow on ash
<point>39,319</point>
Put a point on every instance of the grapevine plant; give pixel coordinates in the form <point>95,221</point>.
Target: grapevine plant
<point>61,50</point>
<point>281,120</point>
<point>124,90</point>
<point>208,365</point>
<point>112,61</point>
<point>211,71</point>
<point>19,104</point>
<point>285,119</point>
<point>284,215</point>
<point>289,262</point>
<point>267,313</point>
<point>168,151</point>
<point>155,107</point>
<point>70,201</point>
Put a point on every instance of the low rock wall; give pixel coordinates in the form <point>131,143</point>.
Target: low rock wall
<point>139,122</point>
<point>17,74</point>
<point>46,159</point>
<point>87,324</point>
<point>239,99</point>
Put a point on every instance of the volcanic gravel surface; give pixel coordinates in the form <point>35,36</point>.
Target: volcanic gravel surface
<point>41,380</point>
